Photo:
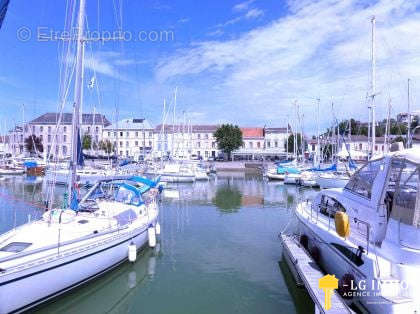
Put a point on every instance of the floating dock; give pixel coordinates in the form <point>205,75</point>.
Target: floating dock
<point>307,273</point>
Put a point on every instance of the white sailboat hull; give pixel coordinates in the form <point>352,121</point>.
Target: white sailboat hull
<point>275,176</point>
<point>26,289</point>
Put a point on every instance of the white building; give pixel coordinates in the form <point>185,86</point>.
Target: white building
<point>56,139</point>
<point>131,137</point>
<point>185,141</point>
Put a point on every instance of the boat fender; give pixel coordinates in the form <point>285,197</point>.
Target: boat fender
<point>304,241</point>
<point>315,253</point>
<point>132,252</point>
<point>157,228</point>
<point>152,236</point>
<point>345,285</point>
<point>342,224</point>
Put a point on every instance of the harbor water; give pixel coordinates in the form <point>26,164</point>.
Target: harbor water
<point>218,252</point>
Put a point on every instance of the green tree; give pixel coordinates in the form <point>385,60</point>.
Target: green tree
<point>106,146</point>
<point>228,198</point>
<point>290,144</point>
<point>33,144</point>
<point>87,141</point>
<point>228,138</point>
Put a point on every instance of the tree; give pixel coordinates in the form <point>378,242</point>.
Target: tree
<point>87,141</point>
<point>228,198</point>
<point>106,146</point>
<point>228,138</point>
<point>289,145</point>
<point>33,144</point>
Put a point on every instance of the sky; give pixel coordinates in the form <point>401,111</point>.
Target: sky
<point>252,63</point>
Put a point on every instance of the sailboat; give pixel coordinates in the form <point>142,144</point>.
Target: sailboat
<point>69,246</point>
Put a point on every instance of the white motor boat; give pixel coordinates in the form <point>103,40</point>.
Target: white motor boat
<point>292,178</point>
<point>368,234</point>
<point>176,173</point>
<point>272,174</point>
<point>308,179</point>
<point>66,248</point>
<point>331,180</point>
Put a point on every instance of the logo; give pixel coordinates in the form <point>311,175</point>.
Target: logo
<point>328,283</point>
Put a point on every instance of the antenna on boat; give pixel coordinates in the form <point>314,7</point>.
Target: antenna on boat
<point>373,86</point>
<point>408,145</point>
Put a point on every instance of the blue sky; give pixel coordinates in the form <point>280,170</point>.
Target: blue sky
<point>233,61</point>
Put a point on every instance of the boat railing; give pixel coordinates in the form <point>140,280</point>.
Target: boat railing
<point>328,210</point>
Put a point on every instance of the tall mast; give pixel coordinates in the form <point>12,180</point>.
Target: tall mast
<point>78,95</point>
<point>318,159</point>
<point>373,91</point>
<point>409,115</point>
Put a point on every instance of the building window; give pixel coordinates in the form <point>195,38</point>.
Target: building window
<point>136,143</point>
<point>213,145</point>
<point>88,129</point>
<point>127,134</point>
<point>258,145</point>
<point>121,144</point>
<point>313,147</point>
<point>121,133</point>
<point>49,129</point>
<point>198,144</point>
<point>137,135</point>
<point>376,147</point>
<point>41,137</point>
<point>198,135</point>
<point>97,129</point>
<point>268,144</point>
<point>49,138</point>
<point>150,143</point>
<point>126,153</point>
<point>33,129</point>
<point>57,149</point>
<point>127,144</point>
<point>64,150</point>
<point>109,134</point>
<point>115,134</point>
<point>251,145</point>
<point>276,144</point>
<point>65,129</point>
<point>41,129</point>
<point>207,137</point>
<point>206,153</point>
<point>360,146</point>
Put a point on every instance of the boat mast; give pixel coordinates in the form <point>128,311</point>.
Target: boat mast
<point>78,95</point>
<point>408,145</point>
<point>318,159</point>
<point>373,90</point>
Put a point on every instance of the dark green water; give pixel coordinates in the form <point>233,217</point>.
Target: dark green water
<point>218,253</point>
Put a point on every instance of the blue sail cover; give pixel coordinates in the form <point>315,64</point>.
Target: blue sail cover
<point>331,168</point>
<point>74,204</point>
<point>146,181</point>
<point>80,158</point>
<point>352,164</point>
<point>3,9</point>
<point>284,170</point>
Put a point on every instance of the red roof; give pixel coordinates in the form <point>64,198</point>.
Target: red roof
<point>252,132</point>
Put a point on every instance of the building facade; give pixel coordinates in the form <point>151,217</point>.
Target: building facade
<point>54,132</point>
<point>131,137</point>
<point>185,141</point>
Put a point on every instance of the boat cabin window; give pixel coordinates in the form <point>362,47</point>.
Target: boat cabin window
<point>404,188</point>
<point>362,181</point>
<point>125,217</point>
<point>329,206</point>
<point>15,247</point>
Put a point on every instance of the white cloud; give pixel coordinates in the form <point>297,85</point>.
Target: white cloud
<point>320,49</point>
<point>243,6</point>
<point>254,13</point>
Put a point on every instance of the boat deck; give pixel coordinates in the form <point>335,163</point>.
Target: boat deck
<point>309,273</point>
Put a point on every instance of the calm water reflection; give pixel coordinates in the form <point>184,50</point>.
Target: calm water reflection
<point>218,252</point>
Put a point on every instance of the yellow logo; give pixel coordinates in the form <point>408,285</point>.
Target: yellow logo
<point>328,283</point>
